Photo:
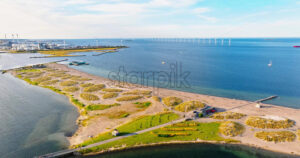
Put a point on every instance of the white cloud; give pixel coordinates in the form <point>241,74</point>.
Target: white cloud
<point>201,10</point>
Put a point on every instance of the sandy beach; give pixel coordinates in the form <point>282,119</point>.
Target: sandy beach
<point>98,122</point>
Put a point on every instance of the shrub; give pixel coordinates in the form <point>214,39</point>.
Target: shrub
<point>129,98</point>
<point>171,134</point>
<point>298,133</point>
<point>89,97</point>
<point>68,83</point>
<point>227,115</point>
<point>143,104</point>
<point>269,123</point>
<point>276,136</point>
<point>57,74</point>
<point>179,129</point>
<point>138,92</point>
<point>189,105</point>
<point>118,115</point>
<point>185,124</point>
<point>41,79</point>
<point>51,82</point>
<point>232,129</point>
<point>94,88</point>
<point>86,85</point>
<point>109,95</point>
<point>101,106</point>
<point>112,90</point>
<point>71,89</point>
<point>156,98</point>
<point>200,115</point>
<point>78,78</point>
<point>172,101</point>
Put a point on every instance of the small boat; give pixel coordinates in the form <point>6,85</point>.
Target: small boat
<point>296,46</point>
<point>77,63</point>
<point>270,63</point>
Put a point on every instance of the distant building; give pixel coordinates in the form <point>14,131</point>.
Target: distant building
<point>115,132</point>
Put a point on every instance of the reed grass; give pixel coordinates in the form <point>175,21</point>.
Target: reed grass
<point>89,97</point>
<point>172,101</point>
<point>276,136</point>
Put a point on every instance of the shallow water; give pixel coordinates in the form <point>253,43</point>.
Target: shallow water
<point>33,120</point>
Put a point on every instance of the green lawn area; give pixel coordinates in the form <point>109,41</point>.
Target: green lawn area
<point>138,124</point>
<point>202,131</point>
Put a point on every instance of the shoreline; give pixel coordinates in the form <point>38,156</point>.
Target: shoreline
<point>115,150</point>
<point>248,108</point>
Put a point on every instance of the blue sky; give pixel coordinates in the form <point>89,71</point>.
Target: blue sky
<point>150,18</point>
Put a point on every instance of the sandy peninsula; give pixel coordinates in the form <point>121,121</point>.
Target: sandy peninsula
<point>94,122</point>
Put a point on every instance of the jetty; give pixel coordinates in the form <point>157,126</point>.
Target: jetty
<point>266,99</point>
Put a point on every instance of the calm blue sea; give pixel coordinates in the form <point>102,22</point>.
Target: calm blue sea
<point>246,69</point>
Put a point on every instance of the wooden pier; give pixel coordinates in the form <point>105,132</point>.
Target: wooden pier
<point>266,99</point>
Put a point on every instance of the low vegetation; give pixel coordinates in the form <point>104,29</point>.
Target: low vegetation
<point>50,82</point>
<point>117,114</point>
<point>86,85</point>
<point>111,90</point>
<point>101,106</point>
<point>57,74</point>
<point>68,83</point>
<point>94,88</point>
<point>205,131</point>
<point>189,106</point>
<point>135,125</point>
<point>232,129</point>
<point>172,101</point>
<point>138,92</point>
<point>41,79</point>
<point>156,98</point>
<point>71,89</point>
<point>260,122</point>
<point>143,105</point>
<point>109,95</point>
<point>76,102</point>
<point>227,115</point>
<point>298,133</point>
<point>276,136</point>
<point>67,52</point>
<point>129,98</point>
<point>89,97</point>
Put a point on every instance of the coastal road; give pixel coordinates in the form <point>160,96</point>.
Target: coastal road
<point>69,151</point>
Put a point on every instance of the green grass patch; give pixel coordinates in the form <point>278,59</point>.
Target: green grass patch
<point>135,125</point>
<point>76,102</point>
<point>112,90</point>
<point>101,106</point>
<point>109,95</point>
<point>94,88</point>
<point>276,136</point>
<point>71,89</point>
<point>68,83</point>
<point>129,98</point>
<point>189,106</point>
<point>206,131</point>
<point>89,97</point>
<point>172,101</point>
